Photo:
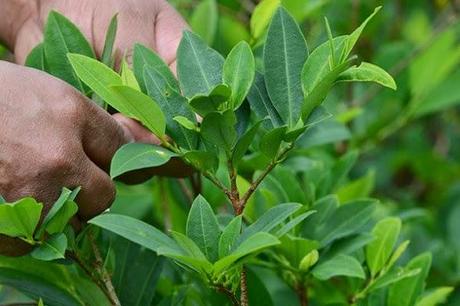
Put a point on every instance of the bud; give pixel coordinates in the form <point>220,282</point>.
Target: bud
<point>309,260</point>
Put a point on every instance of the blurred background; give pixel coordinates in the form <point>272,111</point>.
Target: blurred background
<point>406,142</point>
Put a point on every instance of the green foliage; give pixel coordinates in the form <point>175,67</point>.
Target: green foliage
<point>288,158</point>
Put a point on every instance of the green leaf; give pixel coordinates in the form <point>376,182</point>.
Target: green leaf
<point>203,229</point>
<point>212,102</point>
<point>318,78</point>
<point>127,76</point>
<point>407,291</point>
<point>204,20</point>
<point>260,101</point>
<point>142,108</point>
<point>109,42</point>
<point>19,219</point>
<point>61,36</point>
<point>367,72</point>
<point>202,160</point>
<point>238,73</point>
<point>173,105</point>
<point>253,244</point>
<point>134,156</point>
<point>230,236</point>
<point>99,78</point>
<point>188,245</point>
<point>144,58</point>
<point>386,233</point>
<point>136,269</point>
<point>351,39</point>
<point>347,220</point>
<point>392,277</point>
<point>397,254</point>
<point>341,265</point>
<point>36,57</point>
<point>296,248</point>
<point>59,214</point>
<point>219,129</point>
<point>244,142</point>
<point>270,219</point>
<point>293,223</point>
<point>285,52</point>
<point>261,17</point>
<point>199,67</point>
<point>437,296</point>
<point>270,143</point>
<point>186,123</point>
<point>52,248</point>
<point>136,231</point>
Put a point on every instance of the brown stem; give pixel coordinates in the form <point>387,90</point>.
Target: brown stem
<point>216,182</point>
<point>244,288</point>
<point>234,193</point>
<point>301,290</point>
<point>229,294</point>
<point>105,277</point>
<point>261,177</point>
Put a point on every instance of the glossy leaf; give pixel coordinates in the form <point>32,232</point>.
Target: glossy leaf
<point>52,248</point>
<point>244,142</point>
<point>61,36</point>
<point>127,76</point>
<point>407,291</point>
<point>199,68</point>
<point>238,73</point>
<point>109,42</point>
<point>261,17</point>
<point>296,248</point>
<point>348,219</point>
<point>219,129</point>
<point>136,231</point>
<point>341,265</point>
<point>435,297</point>
<point>36,57</point>
<point>212,102</point>
<point>386,233</point>
<point>271,142</point>
<point>367,72</point>
<point>293,223</point>
<point>253,244</point>
<point>392,277</point>
<point>173,105</point>
<point>142,108</point>
<point>203,229</point>
<point>144,57</point>
<point>229,236</point>
<point>260,101</point>
<point>19,219</point>
<point>134,156</point>
<point>285,52</point>
<point>202,160</point>
<point>270,219</point>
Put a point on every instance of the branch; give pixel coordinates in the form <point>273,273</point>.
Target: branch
<point>244,288</point>
<point>262,176</point>
<point>105,277</point>
<point>234,193</point>
<point>229,294</point>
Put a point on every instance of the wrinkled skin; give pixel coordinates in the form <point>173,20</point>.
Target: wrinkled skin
<point>50,135</point>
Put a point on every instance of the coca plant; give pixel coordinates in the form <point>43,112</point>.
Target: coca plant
<point>217,115</point>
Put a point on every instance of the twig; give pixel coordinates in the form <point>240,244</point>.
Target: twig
<point>261,177</point>
<point>244,288</point>
<point>229,294</point>
<point>183,186</point>
<point>216,182</point>
<point>76,258</point>
<point>234,193</point>
<point>301,290</point>
<point>105,277</point>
